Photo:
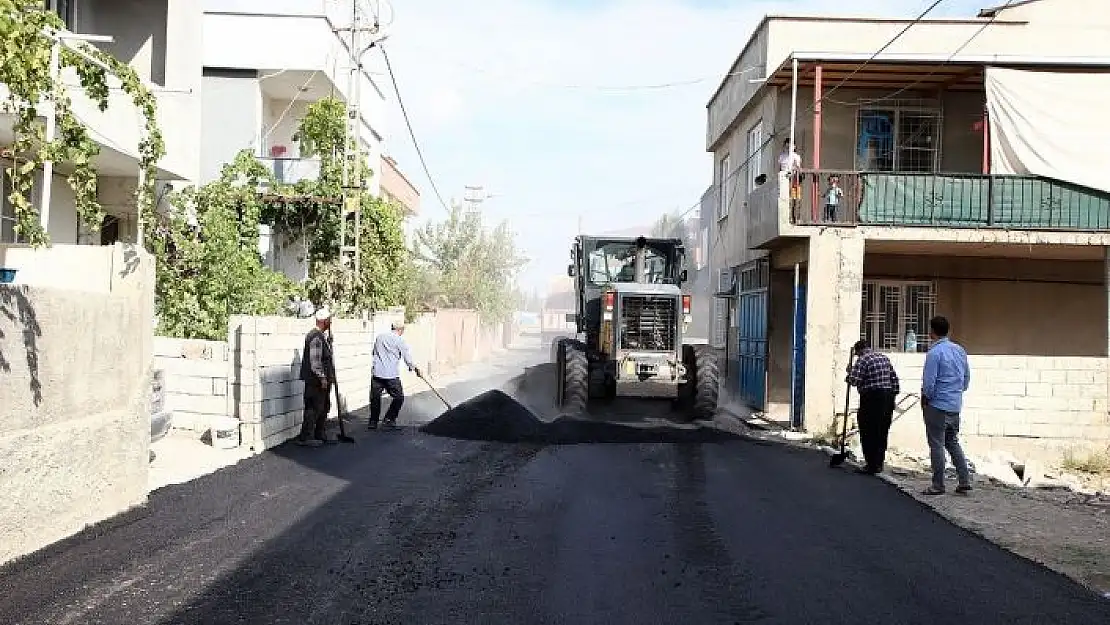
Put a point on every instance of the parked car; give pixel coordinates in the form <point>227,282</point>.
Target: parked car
<point>161,419</point>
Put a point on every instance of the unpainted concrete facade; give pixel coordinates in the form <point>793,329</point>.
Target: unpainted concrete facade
<point>1029,305</point>
<point>75,354</point>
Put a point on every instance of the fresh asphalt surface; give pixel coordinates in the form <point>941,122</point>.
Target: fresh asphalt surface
<point>409,528</point>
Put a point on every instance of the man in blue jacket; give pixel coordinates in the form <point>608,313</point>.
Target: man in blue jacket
<point>945,379</point>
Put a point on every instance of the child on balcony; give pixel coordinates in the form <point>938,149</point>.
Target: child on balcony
<point>833,194</point>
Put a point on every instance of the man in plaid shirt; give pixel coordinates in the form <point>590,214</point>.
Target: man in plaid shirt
<point>874,377</point>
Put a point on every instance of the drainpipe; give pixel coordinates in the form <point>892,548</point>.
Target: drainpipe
<point>796,421</point>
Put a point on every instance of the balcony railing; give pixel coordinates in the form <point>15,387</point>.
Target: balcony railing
<point>946,200</point>
<point>293,170</point>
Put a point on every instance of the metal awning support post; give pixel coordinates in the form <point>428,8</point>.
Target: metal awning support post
<point>60,39</point>
<point>51,130</point>
<point>793,103</point>
<point>817,97</point>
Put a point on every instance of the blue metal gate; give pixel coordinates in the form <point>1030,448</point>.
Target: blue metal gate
<point>751,311</point>
<point>798,358</point>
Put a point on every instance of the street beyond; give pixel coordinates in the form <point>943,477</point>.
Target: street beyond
<point>405,527</point>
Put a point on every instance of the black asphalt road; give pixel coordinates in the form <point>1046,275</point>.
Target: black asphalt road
<point>410,528</point>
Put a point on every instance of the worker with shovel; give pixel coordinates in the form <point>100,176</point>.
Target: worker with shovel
<point>318,374</point>
<point>874,377</point>
<point>389,349</point>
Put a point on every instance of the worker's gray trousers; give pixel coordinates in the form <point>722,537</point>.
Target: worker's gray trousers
<point>942,429</point>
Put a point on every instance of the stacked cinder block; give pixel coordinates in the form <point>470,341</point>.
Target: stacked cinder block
<point>1023,404</point>
<point>195,374</point>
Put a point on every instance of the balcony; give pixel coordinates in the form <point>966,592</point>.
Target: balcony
<point>945,200</point>
<point>293,170</point>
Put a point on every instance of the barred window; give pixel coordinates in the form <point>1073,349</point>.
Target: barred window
<point>896,314</point>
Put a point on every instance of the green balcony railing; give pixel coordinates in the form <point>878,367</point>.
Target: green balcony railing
<point>950,200</point>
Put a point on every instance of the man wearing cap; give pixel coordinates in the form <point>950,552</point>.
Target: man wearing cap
<point>318,373</point>
<point>389,350</point>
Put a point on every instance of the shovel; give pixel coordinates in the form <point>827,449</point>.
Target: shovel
<point>839,458</point>
<point>420,374</point>
<point>340,403</point>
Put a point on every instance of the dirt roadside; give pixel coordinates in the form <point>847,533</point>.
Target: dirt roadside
<point>1064,530</point>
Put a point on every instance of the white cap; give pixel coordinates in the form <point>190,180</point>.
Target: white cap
<point>323,314</point>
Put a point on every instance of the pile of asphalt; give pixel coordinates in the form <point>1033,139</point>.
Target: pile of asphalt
<point>491,416</point>
<point>494,416</point>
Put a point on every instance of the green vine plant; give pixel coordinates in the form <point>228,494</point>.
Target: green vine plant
<point>308,214</point>
<point>208,263</point>
<point>25,50</point>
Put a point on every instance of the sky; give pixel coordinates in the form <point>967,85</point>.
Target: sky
<point>542,103</point>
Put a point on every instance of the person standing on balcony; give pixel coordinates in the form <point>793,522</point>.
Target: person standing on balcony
<point>318,374</point>
<point>833,194</point>
<point>389,350</point>
<point>874,377</point>
<point>946,378</point>
<point>790,162</point>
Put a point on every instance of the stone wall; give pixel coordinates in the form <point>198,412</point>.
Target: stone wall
<point>1032,406</point>
<point>75,390</point>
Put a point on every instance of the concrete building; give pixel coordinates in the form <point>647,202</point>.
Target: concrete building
<point>159,39</point>
<point>397,188</point>
<point>265,62</point>
<point>959,196</point>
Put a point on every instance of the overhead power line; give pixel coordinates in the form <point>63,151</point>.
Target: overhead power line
<point>412,134</point>
<point>965,44</point>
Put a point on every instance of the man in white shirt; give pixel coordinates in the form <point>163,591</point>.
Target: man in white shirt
<point>789,160</point>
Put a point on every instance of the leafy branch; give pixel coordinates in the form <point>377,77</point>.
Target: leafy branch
<point>25,60</point>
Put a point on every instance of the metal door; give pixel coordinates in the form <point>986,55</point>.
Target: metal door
<point>751,309</point>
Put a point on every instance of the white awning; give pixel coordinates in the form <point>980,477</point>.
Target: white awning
<point>1051,124</point>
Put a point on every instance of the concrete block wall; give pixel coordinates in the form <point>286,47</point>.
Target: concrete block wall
<point>196,375</point>
<point>75,436</point>
<point>1032,406</point>
<point>254,375</point>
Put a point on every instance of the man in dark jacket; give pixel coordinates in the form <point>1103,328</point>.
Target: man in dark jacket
<point>318,373</point>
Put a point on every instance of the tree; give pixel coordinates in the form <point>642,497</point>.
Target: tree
<point>668,226</point>
<point>308,214</point>
<point>25,69</point>
<point>208,265</point>
<point>468,266</point>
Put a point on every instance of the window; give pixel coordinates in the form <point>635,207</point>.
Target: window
<point>7,211</point>
<point>8,218</point>
<point>755,154</point>
<point>896,314</point>
<point>724,197</point>
<point>64,9</point>
<point>616,262</point>
<point>897,139</point>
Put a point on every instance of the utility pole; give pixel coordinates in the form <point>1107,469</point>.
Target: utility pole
<point>350,248</point>
<point>473,196</point>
